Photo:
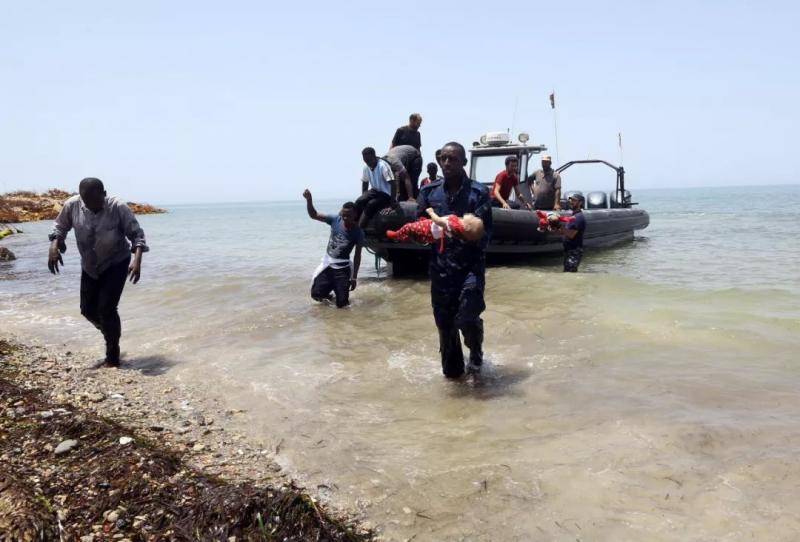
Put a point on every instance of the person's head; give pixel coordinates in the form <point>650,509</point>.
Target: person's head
<point>433,170</point>
<point>349,214</point>
<point>369,156</point>
<point>553,220</point>
<point>575,202</point>
<point>93,193</point>
<point>415,121</point>
<point>453,160</point>
<point>547,162</point>
<point>512,164</point>
<point>473,228</point>
<point>439,157</point>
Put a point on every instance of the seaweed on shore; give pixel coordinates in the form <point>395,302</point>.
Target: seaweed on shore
<point>105,487</point>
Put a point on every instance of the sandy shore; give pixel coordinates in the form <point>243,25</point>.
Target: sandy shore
<point>147,405</point>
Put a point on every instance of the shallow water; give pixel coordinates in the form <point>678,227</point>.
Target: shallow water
<point>652,396</point>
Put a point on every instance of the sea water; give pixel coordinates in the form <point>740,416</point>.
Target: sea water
<point>652,396</point>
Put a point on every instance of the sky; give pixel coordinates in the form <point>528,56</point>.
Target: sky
<point>189,102</point>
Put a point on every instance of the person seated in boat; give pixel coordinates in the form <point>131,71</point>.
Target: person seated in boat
<point>545,185</point>
<point>406,164</point>
<point>335,273</point>
<point>504,182</point>
<point>433,175</point>
<point>437,228</point>
<point>378,187</point>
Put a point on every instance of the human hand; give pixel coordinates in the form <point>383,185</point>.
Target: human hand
<point>430,211</point>
<point>54,258</point>
<point>353,283</point>
<point>307,194</point>
<point>506,205</point>
<point>135,270</point>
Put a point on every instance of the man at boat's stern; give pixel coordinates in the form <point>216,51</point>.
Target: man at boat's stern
<point>458,274</point>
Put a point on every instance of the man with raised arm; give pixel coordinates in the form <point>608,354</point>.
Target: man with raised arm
<point>107,233</point>
<point>458,272</point>
<point>335,274</point>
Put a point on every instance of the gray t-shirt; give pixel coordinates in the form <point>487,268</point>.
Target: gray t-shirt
<point>400,158</point>
<point>544,187</point>
<point>342,240</point>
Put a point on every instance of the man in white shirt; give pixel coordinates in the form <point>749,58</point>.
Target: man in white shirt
<point>378,187</point>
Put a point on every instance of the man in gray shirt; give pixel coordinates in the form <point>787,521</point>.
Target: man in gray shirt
<point>103,226</point>
<point>545,185</point>
<point>406,164</point>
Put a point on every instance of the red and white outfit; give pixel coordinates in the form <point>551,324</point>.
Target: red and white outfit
<point>544,224</point>
<point>427,232</point>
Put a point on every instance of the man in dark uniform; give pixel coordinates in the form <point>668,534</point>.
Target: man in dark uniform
<point>573,235</point>
<point>458,273</point>
<point>409,135</point>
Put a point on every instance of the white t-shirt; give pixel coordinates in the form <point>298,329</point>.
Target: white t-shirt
<point>379,177</point>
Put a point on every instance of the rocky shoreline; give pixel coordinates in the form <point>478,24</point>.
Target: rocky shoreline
<point>128,454</point>
<point>26,206</point>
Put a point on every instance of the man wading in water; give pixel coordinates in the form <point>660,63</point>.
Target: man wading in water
<point>458,273</point>
<point>101,225</point>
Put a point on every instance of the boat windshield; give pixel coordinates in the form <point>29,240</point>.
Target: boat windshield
<point>486,168</point>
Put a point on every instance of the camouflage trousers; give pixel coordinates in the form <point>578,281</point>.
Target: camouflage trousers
<point>572,259</point>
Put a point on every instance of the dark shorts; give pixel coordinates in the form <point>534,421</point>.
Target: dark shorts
<point>332,280</point>
<point>371,202</point>
<point>572,259</point>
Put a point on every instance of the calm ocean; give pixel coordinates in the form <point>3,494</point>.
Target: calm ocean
<point>651,396</point>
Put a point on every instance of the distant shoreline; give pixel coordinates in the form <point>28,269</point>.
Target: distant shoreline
<point>26,206</point>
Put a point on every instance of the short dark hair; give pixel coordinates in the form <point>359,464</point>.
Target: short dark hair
<point>368,151</point>
<point>414,116</point>
<point>348,205</point>
<point>458,146</point>
<point>433,165</point>
<point>90,184</point>
<point>512,158</point>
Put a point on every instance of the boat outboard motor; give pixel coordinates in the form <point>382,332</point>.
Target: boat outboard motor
<point>616,202</point>
<point>596,200</point>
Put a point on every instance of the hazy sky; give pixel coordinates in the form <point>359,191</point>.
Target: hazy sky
<point>198,101</point>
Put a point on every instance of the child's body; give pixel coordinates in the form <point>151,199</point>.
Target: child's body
<point>436,228</point>
<point>552,221</point>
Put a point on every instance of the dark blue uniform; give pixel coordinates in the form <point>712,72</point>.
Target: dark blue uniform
<point>573,248</point>
<point>458,275</point>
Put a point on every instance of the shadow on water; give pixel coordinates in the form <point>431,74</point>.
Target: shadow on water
<point>493,382</point>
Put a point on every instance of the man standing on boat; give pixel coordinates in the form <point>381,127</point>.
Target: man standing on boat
<point>409,135</point>
<point>103,227</point>
<point>545,185</point>
<point>378,187</point>
<point>406,164</point>
<point>573,235</point>
<point>458,273</point>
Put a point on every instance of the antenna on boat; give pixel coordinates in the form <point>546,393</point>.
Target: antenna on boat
<point>619,140</point>
<point>555,120</point>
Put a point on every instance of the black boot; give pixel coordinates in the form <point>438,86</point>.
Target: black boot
<point>452,355</point>
<point>473,338</point>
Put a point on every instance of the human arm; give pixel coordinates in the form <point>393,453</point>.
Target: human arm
<point>365,180</point>
<point>312,212</point>
<point>557,203</point>
<point>396,138</point>
<point>61,227</point>
<point>436,219</point>
<point>406,178</point>
<point>356,266</point>
<point>521,198</point>
<point>496,191</point>
<point>135,234</point>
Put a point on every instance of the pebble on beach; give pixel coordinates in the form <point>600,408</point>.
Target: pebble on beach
<point>65,446</point>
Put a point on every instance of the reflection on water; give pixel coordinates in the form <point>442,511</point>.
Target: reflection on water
<point>652,396</point>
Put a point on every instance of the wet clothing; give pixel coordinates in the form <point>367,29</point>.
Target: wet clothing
<point>504,183</point>
<point>405,158</point>
<point>573,248</point>
<point>103,237</point>
<point>458,273</point>
<point>336,280</point>
<point>544,186</point>
<point>572,259</point>
<point>405,135</point>
<point>99,301</point>
<point>342,240</point>
<point>372,202</point>
<point>379,178</point>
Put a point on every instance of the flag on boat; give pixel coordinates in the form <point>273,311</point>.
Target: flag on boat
<point>553,100</point>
